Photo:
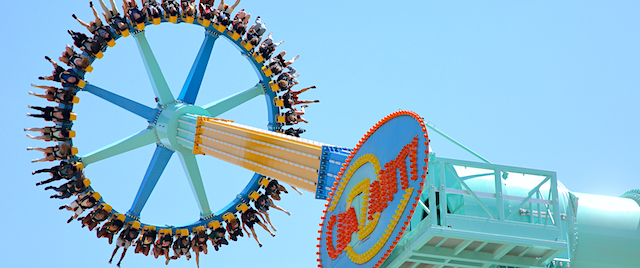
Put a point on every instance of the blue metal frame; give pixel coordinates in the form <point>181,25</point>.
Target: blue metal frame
<point>330,164</point>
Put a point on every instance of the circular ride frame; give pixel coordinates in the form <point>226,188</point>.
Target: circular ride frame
<point>164,119</point>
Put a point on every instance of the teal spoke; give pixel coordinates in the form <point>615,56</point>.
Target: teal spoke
<point>190,166</point>
<point>220,106</point>
<point>159,161</point>
<point>135,141</point>
<point>159,84</point>
<point>191,86</point>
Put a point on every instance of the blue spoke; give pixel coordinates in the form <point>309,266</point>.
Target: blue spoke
<point>127,104</point>
<point>159,161</point>
<point>220,106</point>
<point>159,84</point>
<point>190,166</point>
<point>135,141</point>
<point>191,86</point>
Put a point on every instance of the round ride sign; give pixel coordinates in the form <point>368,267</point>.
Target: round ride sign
<point>375,193</point>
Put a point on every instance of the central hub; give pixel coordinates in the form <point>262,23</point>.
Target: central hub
<point>167,124</point>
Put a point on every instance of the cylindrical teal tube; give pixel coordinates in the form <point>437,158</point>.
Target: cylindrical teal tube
<point>607,232</point>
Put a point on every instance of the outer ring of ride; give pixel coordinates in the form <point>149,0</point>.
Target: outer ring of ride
<point>272,111</point>
<point>387,138</point>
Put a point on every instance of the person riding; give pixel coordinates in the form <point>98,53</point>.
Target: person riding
<point>126,237</point>
<point>52,153</point>
<point>249,218</point>
<point>73,59</point>
<point>163,244</point>
<point>95,217</point>
<point>291,97</point>
<point>234,229</point>
<point>64,170</point>
<point>55,133</point>
<point>85,201</point>
<point>181,246</point>
<point>145,241</point>
<point>117,22</point>
<point>113,226</point>
<point>70,188</point>
<point>49,113</point>
<point>217,238</point>
<point>199,243</point>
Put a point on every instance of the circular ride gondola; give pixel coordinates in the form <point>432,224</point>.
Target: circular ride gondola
<point>164,119</point>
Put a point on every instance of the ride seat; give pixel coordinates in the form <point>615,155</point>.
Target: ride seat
<point>213,225</point>
<point>135,224</point>
<point>140,26</point>
<point>280,118</point>
<point>111,43</point>
<point>81,83</point>
<point>219,28</point>
<point>228,216</point>
<point>254,195</point>
<point>248,46</point>
<point>99,55</point>
<point>258,58</point>
<point>274,86</point>
<point>204,22</point>
<point>74,151</point>
<point>268,72</point>
<point>72,117</point>
<point>164,232</point>
<point>264,182</point>
<point>235,36</point>
<point>86,182</point>
<point>182,232</point>
<point>124,33</point>
<point>75,99</point>
<point>106,207</point>
<point>188,19</point>
<point>88,69</point>
<point>278,101</point>
<point>242,207</point>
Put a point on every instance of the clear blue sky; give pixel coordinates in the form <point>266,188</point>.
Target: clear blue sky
<point>538,84</point>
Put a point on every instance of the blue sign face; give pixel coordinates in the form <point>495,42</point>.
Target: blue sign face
<point>375,195</point>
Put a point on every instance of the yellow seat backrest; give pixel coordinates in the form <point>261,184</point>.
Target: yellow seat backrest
<point>74,151</point>
<point>72,117</point>
<point>280,118</point>
<point>119,216</point>
<point>242,207</point>
<point>149,228</point>
<point>182,232</point>
<point>75,99</point>
<point>228,216</point>
<point>86,182</point>
<point>264,181</point>
<point>81,83</point>
<point>254,195</point>
<point>96,195</point>
<point>214,225</point>
<point>106,207</point>
<point>135,224</point>
<point>197,229</point>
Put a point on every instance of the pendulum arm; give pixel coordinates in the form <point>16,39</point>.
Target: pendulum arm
<point>159,84</point>
<point>189,91</point>
<point>292,160</point>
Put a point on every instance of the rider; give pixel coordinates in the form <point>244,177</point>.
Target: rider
<point>95,217</point>
<point>126,237</point>
<point>145,241</point>
<point>112,227</point>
